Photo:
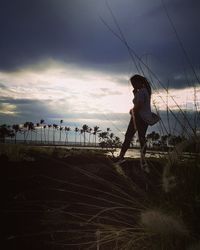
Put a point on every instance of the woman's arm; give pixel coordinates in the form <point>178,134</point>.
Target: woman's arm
<point>137,106</point>
<point>138,101</point>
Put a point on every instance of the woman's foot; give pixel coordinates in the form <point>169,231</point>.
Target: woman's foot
<point>144,166</point>
<point>119,160</point>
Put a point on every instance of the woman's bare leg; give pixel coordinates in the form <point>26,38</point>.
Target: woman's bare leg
<point>128,137</point>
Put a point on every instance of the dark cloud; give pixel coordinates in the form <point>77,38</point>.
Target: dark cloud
<point>71,31</point>
<point>178,123</point>
<point>29,109</point>
<point>64,30</point>
<point>17,101</point>
<point>33,111</point>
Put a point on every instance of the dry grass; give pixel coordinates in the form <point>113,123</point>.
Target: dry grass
<point>165,225</point>
<point>104,209</point>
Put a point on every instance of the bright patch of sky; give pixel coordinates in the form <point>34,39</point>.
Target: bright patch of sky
<point>187,99</point>
<point>65,89</point>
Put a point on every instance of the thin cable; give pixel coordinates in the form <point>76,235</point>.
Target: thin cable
<point>148,68</point>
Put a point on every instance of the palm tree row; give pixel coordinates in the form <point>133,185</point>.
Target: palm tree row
<point>59,134</point>
<point>167,140</point>
<point>49,133</point>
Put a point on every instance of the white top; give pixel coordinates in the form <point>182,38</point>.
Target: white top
<point>142,96</point>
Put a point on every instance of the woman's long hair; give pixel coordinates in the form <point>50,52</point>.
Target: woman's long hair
<point>143,81</point>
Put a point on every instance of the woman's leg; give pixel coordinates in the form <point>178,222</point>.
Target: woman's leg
<point>128,137</point>
<point>142,129</point>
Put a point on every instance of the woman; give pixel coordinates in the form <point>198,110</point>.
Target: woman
<point>141,117</point>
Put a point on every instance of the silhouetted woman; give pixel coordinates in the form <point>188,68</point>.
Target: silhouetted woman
<point>141,117</point>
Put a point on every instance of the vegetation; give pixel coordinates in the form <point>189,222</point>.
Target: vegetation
<point>6,131</point>
<point>56,134</point>
<point>77,199</point>
<point>109,141</point>
<point>53,134</point>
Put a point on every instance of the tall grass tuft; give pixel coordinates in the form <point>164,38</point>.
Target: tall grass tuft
<point>194,246</point>
<point>159,223</point>
<point>185,153</point>
<point>14,152</point>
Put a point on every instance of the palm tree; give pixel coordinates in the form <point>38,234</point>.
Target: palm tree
<point>117,140</point>
<point>95,131</point>
<point>44,127</point>
<point>55,127</point>
<point>49,127</point>
<point>153,136</point>
<point>164,139</point>
<point>90,132</point>
<point>28,126</point>
<point>85,129</point>
<point>41,122</point>
<point>67,129</point>
<point>16,129</point>
<point>109,141</point>
<point>25,130</point>
<point>37,125</point>
<point>76,131</point>
<point>5,131</point>
<point>61,121</point>
<point>81,132</point>
<point>103,138</point>
<point>60,129</point>
<point>108,130</point>
<point>103,135</point>
<point>31,128</point>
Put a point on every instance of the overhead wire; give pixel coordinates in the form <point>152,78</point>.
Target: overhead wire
<point>134,54</point>
<point>181,45</point>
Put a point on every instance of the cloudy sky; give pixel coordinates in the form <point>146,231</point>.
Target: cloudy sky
<point>67,59</point>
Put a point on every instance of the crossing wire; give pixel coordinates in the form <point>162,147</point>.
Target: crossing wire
<point>134,55</point>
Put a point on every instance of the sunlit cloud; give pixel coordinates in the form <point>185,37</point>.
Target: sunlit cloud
<point>54,91</point>
<point>66,87</point>
<point>7,108</point>
<point>175,99</point>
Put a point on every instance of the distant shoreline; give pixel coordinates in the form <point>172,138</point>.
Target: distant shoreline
<point>78,145</point>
